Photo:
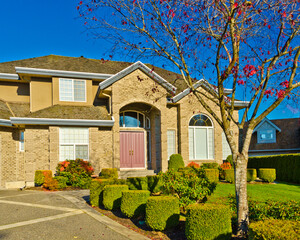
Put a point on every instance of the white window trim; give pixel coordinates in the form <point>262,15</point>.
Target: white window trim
<point>72,87</point>
<point>20,142</point>
<point>74,146</point>
<point>144,119</point>
<point>207,138</point>
<point>272,140</point>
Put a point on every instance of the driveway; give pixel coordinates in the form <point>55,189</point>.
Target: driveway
<point>56,215</point>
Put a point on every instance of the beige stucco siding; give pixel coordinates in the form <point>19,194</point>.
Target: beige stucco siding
<point>89,94</point>
<point>16,92</point>
<point>41,94</point>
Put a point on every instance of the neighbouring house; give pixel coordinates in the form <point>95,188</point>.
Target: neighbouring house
<point>272,137</point>
<point>113,114</point>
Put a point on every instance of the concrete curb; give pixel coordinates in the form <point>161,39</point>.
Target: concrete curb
<point>75,197</point>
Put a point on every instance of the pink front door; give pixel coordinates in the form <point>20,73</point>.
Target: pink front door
<point>132,150</point>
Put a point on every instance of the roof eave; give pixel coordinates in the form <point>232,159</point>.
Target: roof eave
<point>60,73</point>
<point>62,122</point>
<point>5,122</point>
<point>9,76</point>
<point>266,120</point>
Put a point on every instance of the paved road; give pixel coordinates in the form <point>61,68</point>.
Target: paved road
<point>55,215</point>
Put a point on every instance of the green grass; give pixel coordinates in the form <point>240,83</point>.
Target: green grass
<point>258,192</point>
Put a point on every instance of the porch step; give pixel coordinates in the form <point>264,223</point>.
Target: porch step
<point>123,174</point>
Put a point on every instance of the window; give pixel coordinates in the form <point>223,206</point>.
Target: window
<point>72,90</point>
<point>21,141</point>
<point>132,119</point>
<point>73,143</point>
<point>201,138</point>
<point>225,147</point>
<point>171,142</point>
<point>266,136</point>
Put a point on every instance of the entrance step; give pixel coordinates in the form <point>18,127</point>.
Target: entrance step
<point>135,173</point>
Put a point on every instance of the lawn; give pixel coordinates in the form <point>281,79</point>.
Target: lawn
<point>259,192</point>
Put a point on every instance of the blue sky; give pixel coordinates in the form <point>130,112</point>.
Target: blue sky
<point>34,28</point>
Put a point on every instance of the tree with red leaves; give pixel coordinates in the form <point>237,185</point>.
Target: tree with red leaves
<point>248,46</point>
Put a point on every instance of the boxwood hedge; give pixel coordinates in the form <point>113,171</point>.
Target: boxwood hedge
<point>112,195</point>
<point>267,174</point>
<point>133,203</point>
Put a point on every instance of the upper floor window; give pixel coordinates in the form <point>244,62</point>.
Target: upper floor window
<point>134,119</point>
<point>72,90</point>
<point>21,141</point>
<point>266,136</point>
<point>201,138</point>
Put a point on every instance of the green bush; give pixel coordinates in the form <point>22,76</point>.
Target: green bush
<point>190,185</point>
<point>212,165</point>
<point>287,166</point>
<point>267,174</point>
<point>109,173</point>
<point>137,183</point>
<point>62,181</point>
<point>162,212</point>
<point>212,174</point>
<point>251,174</point>
<point>229,175</point>
<point>133,203</point>
<point>82,180</point>
<point>154,183</point>
<point>67,175</point>
<point>112,195</point>
<point>274,229</point>
<point>229,159</point>
<point>175,162</point>
<point>96,189</point>
<point>208,221</point>
<point>39,176</point>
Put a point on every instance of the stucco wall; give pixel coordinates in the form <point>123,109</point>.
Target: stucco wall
<point>16,92</point>
<point>41,94</point>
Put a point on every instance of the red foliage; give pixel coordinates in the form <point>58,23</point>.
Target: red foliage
<point>193,164</point>
<point>225,165</point>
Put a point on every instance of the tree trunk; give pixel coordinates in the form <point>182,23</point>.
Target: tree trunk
<point>241,194</point>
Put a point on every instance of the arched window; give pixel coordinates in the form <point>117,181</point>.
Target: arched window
<point>201,138</point>
<point>132,119</point>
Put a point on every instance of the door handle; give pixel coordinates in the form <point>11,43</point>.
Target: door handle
<point>130,152</point>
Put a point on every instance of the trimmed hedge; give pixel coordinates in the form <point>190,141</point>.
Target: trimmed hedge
<point>267,174</point>
<point>133,203</point>
<point>39,176</point>
<point>274,229</point>
<point>137,183</point>
<point>109,173</point>
<point>208,221</point>
<point>287,166</point>
<point>162,212</point>
<point>175,162</point>
<point>96,191</point>
<point>62,181</point>
<point>154,183</point>
<point>212,165</point>
<point>229,175</point>
<point>251,174</point>
<point>212,174</point>
<point>112,195</point>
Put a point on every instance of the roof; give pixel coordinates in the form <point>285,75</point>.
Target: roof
<point>266,120</point>
<point>82,64</point>
<point>288,138</point>
<point>13,109</point>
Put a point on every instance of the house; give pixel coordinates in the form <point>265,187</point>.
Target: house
<point>272,137</point>
<point>113,114</point>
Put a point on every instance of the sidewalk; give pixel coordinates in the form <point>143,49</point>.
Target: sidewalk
<point>56,215</point>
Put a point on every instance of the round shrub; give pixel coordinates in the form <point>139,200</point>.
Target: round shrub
<point>267,174</point>
<point>137,183</point>
<point>208,221</point>
<point>175,162</point>
<point>162,212</point>
<point>229,159</point>
<point>133,203</point>
<point>212,174</point>
<point>39,176</point>
<point>112,195</point>
<point>154,183</point>
<point>62,181</point>
<point>251,174</point>
<point>229,175</point>
<point>274,229</point>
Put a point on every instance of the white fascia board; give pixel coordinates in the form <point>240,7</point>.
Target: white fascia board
<point>275,150</point>
<point>268,121</point>
<point>130,69</point>
<point>241,103</point>
<point>62,122</point>
<point>228,91</point>
<point>61,73</point>
<point>5,122</point>
<point>9,76</point>
<point>185,92</point>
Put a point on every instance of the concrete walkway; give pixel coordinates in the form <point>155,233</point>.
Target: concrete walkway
<point>56,215</point>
